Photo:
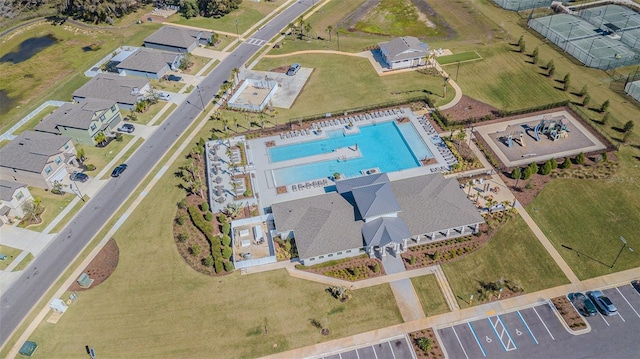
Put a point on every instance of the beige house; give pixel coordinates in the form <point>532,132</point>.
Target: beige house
<point>13,196</point>
<point>404,52</point>
<point>82,121</point>
<point>37,159</point>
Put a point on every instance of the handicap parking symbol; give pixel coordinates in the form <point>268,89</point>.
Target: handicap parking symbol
<point>518,332</point>
<point>489,340</point>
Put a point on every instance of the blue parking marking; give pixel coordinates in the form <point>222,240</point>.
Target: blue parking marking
<point>527,326</point>
<point>477,340</point>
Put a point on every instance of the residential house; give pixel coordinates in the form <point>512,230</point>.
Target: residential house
<point>149,63</point>
<point>177,39</point>
<point>373,215</point>
<point>13,196</point>
<point>404,52</point>
<point>38,159</point>
<point>125,91</point>
<point>82,121</point>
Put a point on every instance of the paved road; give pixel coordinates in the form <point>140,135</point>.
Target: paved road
<point>18,300</point>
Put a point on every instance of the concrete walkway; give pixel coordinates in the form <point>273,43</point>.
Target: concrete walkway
<point>458,316</point>
<point>403,290</point>
<point>447,292</point>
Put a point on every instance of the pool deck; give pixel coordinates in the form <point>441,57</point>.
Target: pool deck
<point>262,167</point>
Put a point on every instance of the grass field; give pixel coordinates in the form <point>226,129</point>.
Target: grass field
<point>11,254</point>
<point>70,215</point>
<point>462,56</point>
<point>156,302</point>
<point>611,208</point>
<point>126,155</point>
<point>514,253</point>
<point>29,125</point>
<point>23,263</point>
<point>164,85</point>
<point>398,18</point>
<point>346,82</point>
<point>53,205</point>
<point>101,156</point>
<point>430,295</point>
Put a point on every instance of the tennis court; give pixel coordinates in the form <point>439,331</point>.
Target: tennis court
<point>633,89</point>
<point>517,5</point>
<point>604,37</point>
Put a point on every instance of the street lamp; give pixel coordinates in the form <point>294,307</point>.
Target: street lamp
<point>624,244</point>
<point>200,94</point>
<point>566,43</point>
<point>625,25</point>
<point>79,194</point>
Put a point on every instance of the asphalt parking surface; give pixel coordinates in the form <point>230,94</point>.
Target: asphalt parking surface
<point>398,348</point>
<point>536,332</point>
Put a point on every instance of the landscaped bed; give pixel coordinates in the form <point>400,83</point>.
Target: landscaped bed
<point>352,269</point>
<point>101,267</point>
<point>568,313</point>
<point>426,345</point>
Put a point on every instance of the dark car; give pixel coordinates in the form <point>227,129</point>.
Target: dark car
<point>636,284</point>
<point>583,304</point>
<point>127,127</point>
<point>603,302</point>
<point>79,176</point>
<point>118,170</point>
<point>293,69</point>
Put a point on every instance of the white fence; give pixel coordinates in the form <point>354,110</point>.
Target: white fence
<point>9,134</point>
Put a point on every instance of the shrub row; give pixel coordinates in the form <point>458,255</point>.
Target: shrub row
<point>219,255</point>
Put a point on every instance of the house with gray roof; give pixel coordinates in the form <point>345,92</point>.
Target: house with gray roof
<point>38,159</point>
<point>82,121</point>
<point>150,64</point>
<point>404,52</point>
<point>125,91</point>
<point>13,196</point>
<point>177,39</point>
<point>374,215</point>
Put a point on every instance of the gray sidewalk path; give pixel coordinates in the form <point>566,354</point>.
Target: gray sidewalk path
<point>403,290</point>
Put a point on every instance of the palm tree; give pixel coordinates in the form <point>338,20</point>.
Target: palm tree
<point>235,72</point>
<point>235,123</point>
<point>300,25</point>
<point>225,123</point>
<point>32,210</point>
<point>261,118</point>
<point>307,28</point>
<point>329,29</point>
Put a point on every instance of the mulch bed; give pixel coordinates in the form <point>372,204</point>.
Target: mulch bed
<point>281,69</point>
<point>468,108</point>
<point>353,269</point>
<point>569,314</point>
<point>435,253</point>
<point>436,350</point>
<point>101,266</point>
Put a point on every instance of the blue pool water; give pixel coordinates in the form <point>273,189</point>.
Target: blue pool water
<point>389,146</point>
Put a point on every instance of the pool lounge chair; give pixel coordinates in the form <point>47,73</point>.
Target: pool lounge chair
<point>293,188</point>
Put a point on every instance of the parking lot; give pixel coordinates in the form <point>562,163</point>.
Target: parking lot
<point>397,348</point>
<point>536,332</point>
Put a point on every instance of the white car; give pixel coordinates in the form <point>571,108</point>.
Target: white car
<point>164,96</point>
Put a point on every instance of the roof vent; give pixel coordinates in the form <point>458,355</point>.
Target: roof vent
<point>135,91</point>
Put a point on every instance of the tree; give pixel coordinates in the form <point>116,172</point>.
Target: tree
<point>605,118</point>
<point>626,136</point>
<point>628,127</point>
<point>521,40</point>
<point>516,173</point>
<point>523,47</point>
<point>567,163</point>
<point>32,210</point>
<point>586,100</point>
<point>605,106</point>
<point>551,64</point>
<point>208,261</point>
<point>307,28</point>
<point>536,55</point>
<point>100,138</point>
<point>189,8</point>
<point>329,30</point>
<point>527,173</point>
<point>580,158</point>
<point>81,155</point>
<point>235,72</point>
<point>566,82</point>
<point>554,163</point>
<point>534,167</point>
<point>546,168</point>
<point>552,71</point>
<point>196,249</point>
<point>583,91</point>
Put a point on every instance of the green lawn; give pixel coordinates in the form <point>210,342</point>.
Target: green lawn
<point>125,157</point>
<point>164,85</point>
<point>430,295</point>
<point>345,82</point>
<point>23,263</point>
<point>462,56</point>
<point>398,18</point>
<point>11,254</point>
<point>53,205</point>
<point>101,156</point>
<point>29,125</point>
<point>590,216</point>
<point>514,253</point>
<point>156,305</point>
<point>32,82</point>
<point>70,215</point>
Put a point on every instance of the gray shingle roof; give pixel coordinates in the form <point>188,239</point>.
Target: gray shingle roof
<point>112,87</point>
<point>8,188</point>
<point>375,200</point>
<point>385,230</point>
<point>176,36</point>
<point>76,115</point>
<point>30,150</point>
<point>348,184</point>
<point>147,60</point>
<point>432,203</point>
<point>321,224</point>
<point>404,48</point>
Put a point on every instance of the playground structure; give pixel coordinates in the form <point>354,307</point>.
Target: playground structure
<point>517,136</point>
<point>554,129</point>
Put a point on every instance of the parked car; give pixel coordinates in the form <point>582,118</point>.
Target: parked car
<point>127,127</point>
<point>164,96</point>
<point>603,302</point>
<point>79,176</point>
<point>293,69</point>
<point>636,284</point>
<point>118,170</point>
<point>583,304</point>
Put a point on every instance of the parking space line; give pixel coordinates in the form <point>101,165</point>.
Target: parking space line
<point>390,347</point>
<point>459,342</point>
<point>507,347</point>
<point>605,321</point>
<point>374,351</point>
<point>621,317</point>
<point>357,355</point>
<point>543,323</point>
<point>625,299</point>
<point>527,326</point>
<point>477,340</point>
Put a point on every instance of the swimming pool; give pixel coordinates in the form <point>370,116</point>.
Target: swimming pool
<point>388,146</point>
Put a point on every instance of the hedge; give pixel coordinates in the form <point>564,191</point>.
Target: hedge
<point>227,252</point>
<point>218,266</point>
<point>229,267</point>
<point>199,221</point>
<point>226,228</point>
<point>226,240</point>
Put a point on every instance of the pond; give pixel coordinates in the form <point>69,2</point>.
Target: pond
<point>28,48</point>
